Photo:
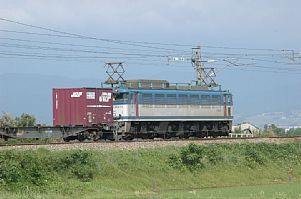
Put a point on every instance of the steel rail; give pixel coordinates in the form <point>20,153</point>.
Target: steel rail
<point>150,140</point>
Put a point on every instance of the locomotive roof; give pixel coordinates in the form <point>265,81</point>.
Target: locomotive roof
<point>144,90</point>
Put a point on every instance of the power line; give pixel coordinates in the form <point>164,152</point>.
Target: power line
<point>244,54</point>
<point>125,42</point>
<point>67,36</point>
<point>90,59</point>
<point>271,61</point>
<point>129,42</point>
<point>20,55</point>
<point>88,37</point>
<point>88,46</point>
<point>250,49</point>
<point>74,56</point>
<point>81,57</point>
<point>258,70</point>
<point>140,44</point>
<point>78,50</point>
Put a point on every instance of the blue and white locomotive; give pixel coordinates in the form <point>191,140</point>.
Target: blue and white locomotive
<point>155,108</point>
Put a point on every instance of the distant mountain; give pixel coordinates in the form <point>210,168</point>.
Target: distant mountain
<point>280,119</point>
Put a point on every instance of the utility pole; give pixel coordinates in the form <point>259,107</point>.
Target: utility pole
<point>204,76</point>
<point>198,65</point>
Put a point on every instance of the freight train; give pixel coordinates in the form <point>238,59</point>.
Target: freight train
<point>135,109</point>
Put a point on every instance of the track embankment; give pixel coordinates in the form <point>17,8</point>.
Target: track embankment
<point>145,144</point>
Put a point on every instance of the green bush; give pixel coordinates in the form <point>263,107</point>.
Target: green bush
<point>18,168</point>
<point>80,164</point>
<point>41,167</point>
<point>253,156</point>
<point>192,156</point>
<point>214,154</point>
<point>195,157</point>
<point>175,161</point>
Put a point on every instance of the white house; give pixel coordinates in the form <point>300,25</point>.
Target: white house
<point>245,127</point>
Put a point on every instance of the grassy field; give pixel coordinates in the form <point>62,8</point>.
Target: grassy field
<point>270,191</point>
<point>196,171</point>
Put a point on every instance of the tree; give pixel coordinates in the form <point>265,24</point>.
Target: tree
<point>25,120</point>
<point>7,119</point>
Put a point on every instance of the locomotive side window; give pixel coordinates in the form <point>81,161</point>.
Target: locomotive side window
<point>205,99</point>
<point>171,99</point>
<point>159,99</point>
<point>195,99</point>
<point>147,98</point>
<point>216,100</point>
<point>183,99</point>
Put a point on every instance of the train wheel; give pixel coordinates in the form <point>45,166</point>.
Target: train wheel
<point>81,137</point>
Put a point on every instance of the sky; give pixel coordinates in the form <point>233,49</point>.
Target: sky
<point>260,80</point>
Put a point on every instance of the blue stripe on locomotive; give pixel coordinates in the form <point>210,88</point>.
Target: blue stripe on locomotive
<point>178,117</point>
<point>177,94</point>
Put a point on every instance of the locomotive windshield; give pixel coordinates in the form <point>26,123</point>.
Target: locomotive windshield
<point>229,100</point>
<point>121,97</point>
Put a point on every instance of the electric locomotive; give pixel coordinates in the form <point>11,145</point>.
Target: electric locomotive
<point>156,108</point>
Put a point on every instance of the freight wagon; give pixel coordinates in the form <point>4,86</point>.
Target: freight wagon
<point>135,109</point>
<point>82,106</point>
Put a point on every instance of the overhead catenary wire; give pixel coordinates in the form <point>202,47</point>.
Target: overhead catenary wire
<point>154,49</point>
<point>87,46</point>
<point>89,37</point>
<point>259,69</point>
<point>61,56</point>
<point>248,49</point>
<point>72,56</point>
<point>77,50</point>
<point>74,37</point>
<point>129,42</point>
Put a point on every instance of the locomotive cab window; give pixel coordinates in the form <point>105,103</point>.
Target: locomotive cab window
<point>229,100</point>
<point>121,97</point>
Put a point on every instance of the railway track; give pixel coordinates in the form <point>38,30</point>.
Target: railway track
<point>136,144</point>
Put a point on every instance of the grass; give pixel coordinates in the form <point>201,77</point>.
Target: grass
<point>273,191</point>
<point>269,191</point>
<point>238,171</point>
<point>30,140</point>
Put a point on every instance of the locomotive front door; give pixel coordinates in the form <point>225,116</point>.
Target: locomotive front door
<point>225,105</point>
<point>133,106</point>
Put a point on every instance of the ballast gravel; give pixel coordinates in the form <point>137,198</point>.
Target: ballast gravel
<point>123,145</point>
